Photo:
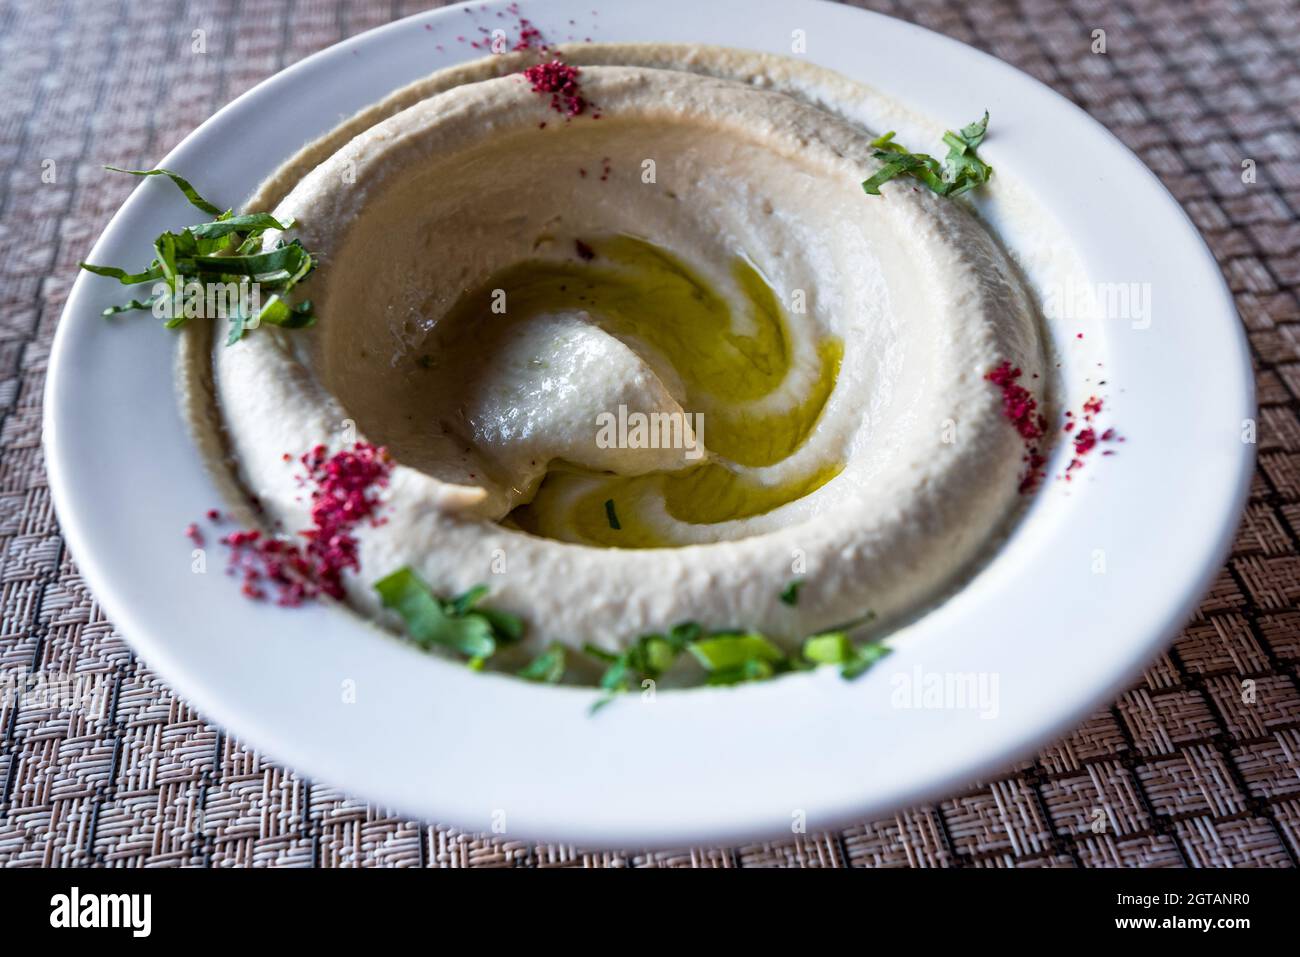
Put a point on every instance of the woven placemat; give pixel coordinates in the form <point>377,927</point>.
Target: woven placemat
<point>1197,764</point>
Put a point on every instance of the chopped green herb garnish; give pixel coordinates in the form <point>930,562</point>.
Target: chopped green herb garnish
<point>835,648</point>
<point>617,678</point>
<point>655,655</point>
<point>455,624</point>
<point>611,515</point>
<point>600,654</point>
<point>864,657</point>
<point>226,250</point>
<point>648,658</point>
<point>679,636</point>
<point>727,651</point>
<point>832,648</point>
<point>466,602</point>
<point>129,306</point>
<point>790,594</point>
<point>727,657</point>
<point>507,627</point>
<point>961,170</point>
<point>548,667</point>
<point>250,223</point>
<point>736,657</point>
<point>752,669</point>
<point>182,184</point>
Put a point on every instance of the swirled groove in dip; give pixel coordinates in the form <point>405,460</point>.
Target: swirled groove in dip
<point>852,441</point>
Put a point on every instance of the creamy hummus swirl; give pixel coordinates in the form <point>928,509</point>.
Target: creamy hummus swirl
<point>847,436</point>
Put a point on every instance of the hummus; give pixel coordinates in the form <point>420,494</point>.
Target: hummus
<point>504,294</point>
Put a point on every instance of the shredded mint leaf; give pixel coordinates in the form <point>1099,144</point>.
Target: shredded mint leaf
<point>923,167</point>
<point>130,306</point>
<point>183,184</point>
<point>227,249</point>
<point>548,667</point>
<point>278,312</point>
<point>611,515</point>
<point>251,222</point>
<point>272,266</point>
<point>121,275</point>
<point>790,594</point>
<point>238,326</point>
<point>961,170</point>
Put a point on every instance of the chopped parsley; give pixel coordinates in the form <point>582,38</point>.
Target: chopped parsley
<point>227,249</point>
<point>546,668</point>
<point>727,657</point>
<point>961,170</point>
<point>457,624</point>
<point>835,648</point>
<point>731,657</point>
<point>648,658</point>
<point>735,657</point>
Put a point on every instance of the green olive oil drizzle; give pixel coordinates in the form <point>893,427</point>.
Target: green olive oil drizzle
<point>635,290</point>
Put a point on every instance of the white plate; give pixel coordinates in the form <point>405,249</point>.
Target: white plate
<point>484,752</point>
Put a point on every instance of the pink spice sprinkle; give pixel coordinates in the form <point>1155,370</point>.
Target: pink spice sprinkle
<point>1018,403</point>
<point>1087,439</point>
<point>530,37</point>
<point>345,492</point>
<point>345,495</point>
<point>193,533</point>
<point>560,80</point>
<point>1021,409</point>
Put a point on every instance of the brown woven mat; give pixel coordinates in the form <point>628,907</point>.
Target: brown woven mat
<point>1180,770</point>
